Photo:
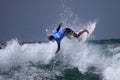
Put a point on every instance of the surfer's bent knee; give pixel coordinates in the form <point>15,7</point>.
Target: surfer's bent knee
<point>71,32</point>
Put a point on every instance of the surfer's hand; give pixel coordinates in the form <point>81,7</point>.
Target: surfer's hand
<point>61,23</point>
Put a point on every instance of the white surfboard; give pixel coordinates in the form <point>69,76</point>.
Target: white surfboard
<point>84,36</point>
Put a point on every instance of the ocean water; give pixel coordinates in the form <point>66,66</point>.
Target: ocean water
<point>92,60</point>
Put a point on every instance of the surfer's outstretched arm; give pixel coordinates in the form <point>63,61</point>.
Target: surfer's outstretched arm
<point>85,30</point>
<point>58,49</point>
<point>58,28</point>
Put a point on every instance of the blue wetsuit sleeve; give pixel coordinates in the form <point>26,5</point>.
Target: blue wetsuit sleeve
<point>58,48</point>
<point>58,28</point>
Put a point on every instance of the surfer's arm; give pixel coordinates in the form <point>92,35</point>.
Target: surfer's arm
<point>58,28</point>
<point>58,49</point>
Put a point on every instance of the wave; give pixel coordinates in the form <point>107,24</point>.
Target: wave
<point>15,54</point>
<point>105,57</point>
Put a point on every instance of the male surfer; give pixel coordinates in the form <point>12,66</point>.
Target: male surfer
<point>58,35</point>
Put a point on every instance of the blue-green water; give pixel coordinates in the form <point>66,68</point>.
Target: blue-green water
<point>93,60</point>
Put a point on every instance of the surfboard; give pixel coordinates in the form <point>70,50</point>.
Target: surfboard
<point>84,36</point>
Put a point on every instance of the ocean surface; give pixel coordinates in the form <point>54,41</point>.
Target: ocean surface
<point>92,60</point>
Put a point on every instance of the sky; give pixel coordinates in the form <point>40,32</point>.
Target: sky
<point>27,20</point>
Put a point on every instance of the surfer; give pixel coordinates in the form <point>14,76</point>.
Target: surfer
<point>58,35</point>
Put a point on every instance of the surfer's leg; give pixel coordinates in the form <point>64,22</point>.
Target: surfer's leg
<point>85,30</point>
<point>71,32</point>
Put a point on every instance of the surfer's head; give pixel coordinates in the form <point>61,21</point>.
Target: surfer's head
<point>51,38</point>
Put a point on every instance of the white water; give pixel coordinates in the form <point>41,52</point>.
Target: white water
<point>85,55</point>
<point>81,55</point>
<point>15,54</point>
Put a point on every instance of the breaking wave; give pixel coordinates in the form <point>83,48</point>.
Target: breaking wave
<point>38,60</point>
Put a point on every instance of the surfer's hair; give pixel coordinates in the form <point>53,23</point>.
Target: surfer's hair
<point>51,37</point>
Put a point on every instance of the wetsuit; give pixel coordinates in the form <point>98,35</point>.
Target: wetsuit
<point>59,35</point>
